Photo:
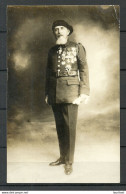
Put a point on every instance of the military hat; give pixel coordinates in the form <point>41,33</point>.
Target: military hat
<point>62,23</point>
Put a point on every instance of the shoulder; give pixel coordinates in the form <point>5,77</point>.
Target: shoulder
<point>71,43</point>
<point>77,44</point>
<point>81,48</point>
<point>80,45</point>
<point>52,49</point>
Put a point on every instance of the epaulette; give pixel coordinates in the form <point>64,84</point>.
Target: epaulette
<point>82,46</point>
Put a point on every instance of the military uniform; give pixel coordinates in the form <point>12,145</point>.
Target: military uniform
<point>66,78</point>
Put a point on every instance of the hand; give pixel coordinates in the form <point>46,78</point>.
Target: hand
<point>81,98</point>
<point>46,99</point>
<point>84,98</point>
<point>77,101</point>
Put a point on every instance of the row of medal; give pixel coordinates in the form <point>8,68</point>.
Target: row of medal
<point>67,56</point>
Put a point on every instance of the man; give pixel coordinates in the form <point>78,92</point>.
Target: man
<point>67,84</point>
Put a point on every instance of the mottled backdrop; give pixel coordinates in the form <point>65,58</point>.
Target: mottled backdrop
<point>31,128</point>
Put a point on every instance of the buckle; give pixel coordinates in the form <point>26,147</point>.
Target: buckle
<point>66,73</point>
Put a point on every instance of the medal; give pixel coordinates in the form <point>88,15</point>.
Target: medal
<point>68,68</point>
<point>63,63</point>
<point>74,53</point>
<point>60,50</point>
<point>75,59</point>
<point>72,60</point>
<point>63,56</point>
<point>73,49</point>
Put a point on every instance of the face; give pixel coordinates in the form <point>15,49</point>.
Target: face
<point>61,31</point>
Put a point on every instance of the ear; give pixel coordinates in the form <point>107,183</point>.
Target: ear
<point>54,34</point>
<point>68,32</point>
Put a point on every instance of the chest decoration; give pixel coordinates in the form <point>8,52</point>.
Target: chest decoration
<point>68,68</point>
<point>67,56</point>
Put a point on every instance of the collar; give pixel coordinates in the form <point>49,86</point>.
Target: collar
<point>63,45</point>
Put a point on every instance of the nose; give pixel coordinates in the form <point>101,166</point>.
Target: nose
<point>58,31</point>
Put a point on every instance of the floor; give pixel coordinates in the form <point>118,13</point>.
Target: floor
<point>32,145</point>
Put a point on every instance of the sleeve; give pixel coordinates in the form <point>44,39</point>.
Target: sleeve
<point>47,75</point>
<point>83,70</point>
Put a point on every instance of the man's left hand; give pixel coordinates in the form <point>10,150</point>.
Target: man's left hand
<point>82,98</point>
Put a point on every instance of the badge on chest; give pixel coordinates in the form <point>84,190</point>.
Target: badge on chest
<point>67,56</point>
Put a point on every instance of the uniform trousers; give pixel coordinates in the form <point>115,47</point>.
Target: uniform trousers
<point>66,118</point>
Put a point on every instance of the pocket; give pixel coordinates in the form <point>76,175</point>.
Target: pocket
<point>72,82</point>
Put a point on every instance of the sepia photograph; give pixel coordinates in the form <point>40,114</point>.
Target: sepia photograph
<point>63,96</point>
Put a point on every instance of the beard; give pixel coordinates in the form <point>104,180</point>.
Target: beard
<point>61,40</point>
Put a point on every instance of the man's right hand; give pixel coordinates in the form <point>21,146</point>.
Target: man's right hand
<point>46,99</point>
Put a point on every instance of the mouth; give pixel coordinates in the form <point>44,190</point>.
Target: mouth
<point>59,35</point>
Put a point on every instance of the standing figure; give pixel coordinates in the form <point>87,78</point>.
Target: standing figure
<point>67,84</point>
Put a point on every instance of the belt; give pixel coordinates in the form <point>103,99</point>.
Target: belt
<point>66,73</point>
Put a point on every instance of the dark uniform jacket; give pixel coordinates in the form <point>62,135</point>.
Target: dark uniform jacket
<point>66,73</point>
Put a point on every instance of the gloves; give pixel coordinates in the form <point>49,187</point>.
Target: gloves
<point>81,98</point>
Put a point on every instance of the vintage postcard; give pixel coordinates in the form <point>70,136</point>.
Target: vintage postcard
<point>63,94</point>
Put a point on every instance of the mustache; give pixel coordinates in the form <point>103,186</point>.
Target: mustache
<point>59,34</point>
